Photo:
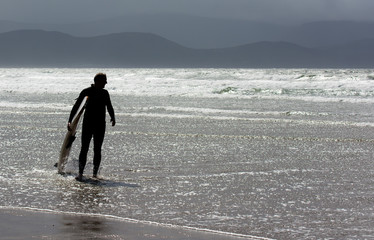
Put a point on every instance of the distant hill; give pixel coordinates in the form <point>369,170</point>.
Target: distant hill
<point>202,32</point>
<point>329,33</point>
<point>42,48</point>
<point>36,48</point>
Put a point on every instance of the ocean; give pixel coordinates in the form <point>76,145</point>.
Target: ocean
<point>272,153</point>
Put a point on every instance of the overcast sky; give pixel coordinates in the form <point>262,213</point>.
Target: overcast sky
<point>280,11</point>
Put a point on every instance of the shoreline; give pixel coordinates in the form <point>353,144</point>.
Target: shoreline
<point>27,223</point>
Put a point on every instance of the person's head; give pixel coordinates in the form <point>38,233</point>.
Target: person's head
<point>100,80</point>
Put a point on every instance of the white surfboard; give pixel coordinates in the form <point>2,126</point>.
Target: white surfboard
<point>70,137</point>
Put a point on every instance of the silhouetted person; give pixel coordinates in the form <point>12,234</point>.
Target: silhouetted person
<point>93,121</point>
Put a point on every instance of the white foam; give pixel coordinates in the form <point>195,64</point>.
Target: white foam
<point>30,105</point>
<point>311,84</point>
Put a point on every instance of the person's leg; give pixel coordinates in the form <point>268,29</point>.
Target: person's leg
<point>98,142</point>
<point>86,139</point>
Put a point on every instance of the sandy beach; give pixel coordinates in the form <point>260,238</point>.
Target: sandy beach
<point>29,224</point>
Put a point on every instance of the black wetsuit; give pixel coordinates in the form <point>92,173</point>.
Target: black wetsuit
<point>93,123</point>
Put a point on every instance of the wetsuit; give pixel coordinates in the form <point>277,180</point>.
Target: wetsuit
<point>93,123</point>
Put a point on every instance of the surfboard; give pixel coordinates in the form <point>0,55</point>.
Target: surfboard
<point>70,137</point>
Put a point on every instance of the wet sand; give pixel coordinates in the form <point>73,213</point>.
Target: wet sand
<point>28,224</point>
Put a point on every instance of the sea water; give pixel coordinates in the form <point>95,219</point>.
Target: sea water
<point>274,153</point>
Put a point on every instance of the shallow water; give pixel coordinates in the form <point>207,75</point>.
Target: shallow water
<point>278,166</point>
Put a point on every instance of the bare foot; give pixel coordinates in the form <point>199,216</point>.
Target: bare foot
<point>95,176</point>
<point>79,177</point>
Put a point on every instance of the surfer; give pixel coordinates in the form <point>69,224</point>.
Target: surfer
<point>93,121</point>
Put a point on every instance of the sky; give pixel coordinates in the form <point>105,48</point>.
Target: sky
<point>274,11</point>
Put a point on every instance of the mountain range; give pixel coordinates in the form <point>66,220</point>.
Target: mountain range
<point>224,43</point>
<point>206,33</point>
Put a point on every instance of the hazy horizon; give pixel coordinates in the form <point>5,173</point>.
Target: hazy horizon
<point>342,26</point>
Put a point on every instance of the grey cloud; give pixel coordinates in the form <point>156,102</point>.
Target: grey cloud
<point>260,10</point>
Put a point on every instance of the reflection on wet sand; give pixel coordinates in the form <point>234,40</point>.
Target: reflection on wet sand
<point>84,226</point>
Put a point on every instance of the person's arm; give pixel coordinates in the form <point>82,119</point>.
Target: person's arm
<point>111,111</point>
<point>75,109</point>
